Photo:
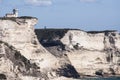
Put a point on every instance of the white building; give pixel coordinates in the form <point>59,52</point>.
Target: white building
<point>14,14</point>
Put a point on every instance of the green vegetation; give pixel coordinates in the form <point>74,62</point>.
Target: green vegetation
<point>8,18</point>
<point>51,34</point>
<point>21,17</point>
<point>26,17</point>
<point>14,18</point>
<point>105,31</point>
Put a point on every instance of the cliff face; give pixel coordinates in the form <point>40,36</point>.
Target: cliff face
<point>64,52</point>
<point>89,52</point>
<point>19,33</point>
<point>94,51</point>
<point>14,66</point>
<point>92,41</point>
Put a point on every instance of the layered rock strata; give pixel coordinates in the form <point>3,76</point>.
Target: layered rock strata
<point>89,52</point>
<point>63,53</point>
<point>19,32</point>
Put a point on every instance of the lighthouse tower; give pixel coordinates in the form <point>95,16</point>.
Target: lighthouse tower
<point>15,12</point>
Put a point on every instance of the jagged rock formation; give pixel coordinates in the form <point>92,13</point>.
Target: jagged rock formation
<point>19,33</point>
<point>91,53</point>
<point>14,66</point>
<point>24,56</point>
<point>64,54</point>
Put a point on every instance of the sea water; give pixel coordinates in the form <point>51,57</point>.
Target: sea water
<point>110,78</point>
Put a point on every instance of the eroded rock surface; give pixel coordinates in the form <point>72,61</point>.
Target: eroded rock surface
<point>55,54</point>
<point>89,52</point>
<point>19,33</point>
<point>14,66</point>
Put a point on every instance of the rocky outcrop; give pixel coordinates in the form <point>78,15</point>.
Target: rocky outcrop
<point>25,56</point>
<point>14,66</point>
<point>90,52</point>
<point>64,54</point>
<point>19,33</point>
<point>94,50</point>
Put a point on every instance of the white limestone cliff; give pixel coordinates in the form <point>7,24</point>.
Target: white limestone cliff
<point>19,33</point>
<point>14,66</point>
<point>96,51</point>
<point>89,52</point>
<point>64,54</point>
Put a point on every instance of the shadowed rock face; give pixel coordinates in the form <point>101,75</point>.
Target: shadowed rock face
<point>53,44</point>
<point>68,71</point>
<point>88,52</point>
<point>3,77</point>
<point>14,65</point>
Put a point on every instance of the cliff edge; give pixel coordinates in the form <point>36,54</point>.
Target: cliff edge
<point>19,33</point>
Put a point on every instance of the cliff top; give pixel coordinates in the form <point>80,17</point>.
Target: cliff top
<point>51,34</point>
<point>94,32</point>
<point>22,19</point>
<point>43,33</point>
<point>64,30</point>
<point>14,18</point>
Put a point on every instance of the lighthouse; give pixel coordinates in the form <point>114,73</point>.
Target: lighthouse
<point>14,14</point>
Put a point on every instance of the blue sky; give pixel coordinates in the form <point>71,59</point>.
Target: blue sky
<point>80,14</point>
